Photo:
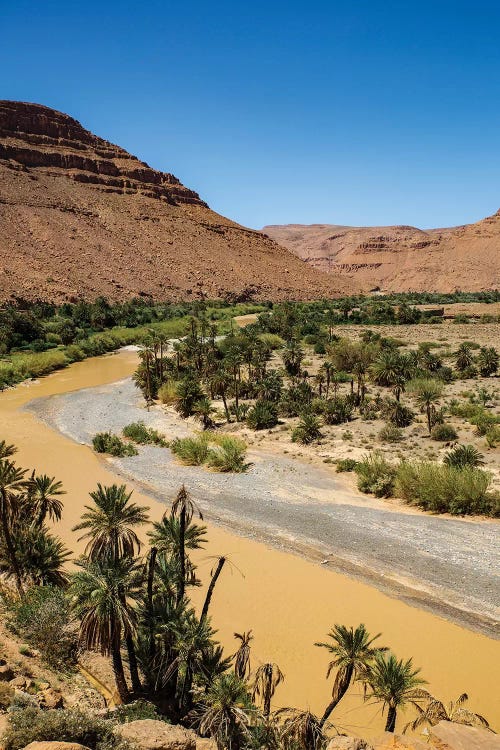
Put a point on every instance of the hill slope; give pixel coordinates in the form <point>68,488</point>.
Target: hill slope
<point>81,217</point>
<point>401,258</point>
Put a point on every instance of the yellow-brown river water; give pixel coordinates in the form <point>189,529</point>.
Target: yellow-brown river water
<point>288,602</point>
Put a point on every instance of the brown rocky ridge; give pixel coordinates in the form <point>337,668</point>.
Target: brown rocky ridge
<point>401,258</point>
<point>81,217</point>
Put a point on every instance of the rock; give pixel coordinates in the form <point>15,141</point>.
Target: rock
<point>4,726</point>
<point>205,744</point>
<point>390,741</point>
<point>50,698</point>
<point>348,743</point>
<point>55,746</point>
<point>450,736</point>
<point>6,673</point>
<point>19,682</point>
<point>44,685</point>
<point>150,734</point>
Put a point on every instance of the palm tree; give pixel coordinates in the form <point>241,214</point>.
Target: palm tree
<point>100,595</point>
<point>464,357</point>
<point>43,494</point>
<point>394,683</point>
<point>353,653</point>
<point>203,411</point>
<point>6,450</point>
<point>226,712</point>
<point>40,555</point>
<point>110,523</point>
<point>242,656</point>
<point>219,384</point>
<point>12,486</point>
<point>300,730</point>
<point>464,455</point>
<point>267,678</point>
<point>436,711</point>
<point>488,361</point>
<point>111,535</point>
<point>183,508</point>
<point>215,576</point>
<point>427,393</point>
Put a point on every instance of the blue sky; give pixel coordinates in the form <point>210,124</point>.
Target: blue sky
<point>368,112</point>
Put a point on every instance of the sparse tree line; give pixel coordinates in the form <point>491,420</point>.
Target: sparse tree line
<point>259,374</point>
<point>132,603</point>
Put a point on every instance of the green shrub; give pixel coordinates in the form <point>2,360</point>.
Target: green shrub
<point>376,475</point>
<point>75,353</point>
<point>135,711</point>
<point>139,433</point>
<point>192,451</point>
<point>484,421</point>
<point>464,455</point>
<point>493,436</point>
<point>262,415</point>
<point>271,340</point>
<point>60,725</point>
<point>338,410</point>
<point>167,393</point>
<point>397,413</point>
<point>390,434</point>
<point>228,455</point>
<point>441,488</point>
<point>106,442</point>
<point>346,464</point>
<point>443,433</point>
<point>43,617</point>
<point>307,430</point>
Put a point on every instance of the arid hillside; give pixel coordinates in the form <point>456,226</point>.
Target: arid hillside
<point>80,217</point>
<point>401,258</point>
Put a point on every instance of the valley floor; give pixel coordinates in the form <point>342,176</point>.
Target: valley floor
<point>442,564</point>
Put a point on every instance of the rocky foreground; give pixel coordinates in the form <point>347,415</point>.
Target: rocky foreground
<point>81,217</point>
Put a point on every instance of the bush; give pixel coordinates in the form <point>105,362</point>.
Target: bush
<point>464,455</point>
<point>390,434</point>
<point>307,430</point>
<point>228,455</point>
<point>191,451</point>
<point>338,410</point>
<point>346,464</point>
<point>443,433</point>
<point>493,436</point>
<point>483,421</point>
<point>61,725</point>
<point>262,416</point>
<point>106,442</point>
<point>397,414</point>
<point>135,711</point>
<point>139,433</point>
<point>376,475</point>
<point>167,393</point>
<point>43,618</point>
<point>441,488</point>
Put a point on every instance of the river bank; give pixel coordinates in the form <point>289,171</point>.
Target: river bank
<point>289,602</point>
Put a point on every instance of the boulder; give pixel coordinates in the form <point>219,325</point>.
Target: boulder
<point>6,673</point>
<point>150,734</point>
<point>202,743</point>
<point>55,746</point>
<point>450,736</point>
<point>390,741</point>
<point>50,698</point>
<point>20,682</point>
<point>348,743</point>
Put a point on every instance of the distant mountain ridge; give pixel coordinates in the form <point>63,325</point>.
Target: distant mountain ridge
<point>401,258</point>
<point>81,217</point>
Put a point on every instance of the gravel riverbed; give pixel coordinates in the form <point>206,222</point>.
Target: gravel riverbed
<point>449,566</point>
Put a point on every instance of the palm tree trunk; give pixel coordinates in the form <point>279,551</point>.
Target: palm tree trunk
<point>224,401</point>
<point>10,548</point>
<point>151,573</point>
<point>182,556</point>
<point>339,690</point>
<point>390,725</point>
<point>121,683</point>
<point>132,663</point>
<point>211,588</point>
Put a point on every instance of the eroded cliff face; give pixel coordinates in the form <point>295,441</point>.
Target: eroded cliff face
<point>401,258</point>
<point>36,136</point>
<point>81,217</point>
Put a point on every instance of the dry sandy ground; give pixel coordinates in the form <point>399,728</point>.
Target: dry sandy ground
<point>448,565</point>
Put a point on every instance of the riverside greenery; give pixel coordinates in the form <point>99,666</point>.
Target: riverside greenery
<point>135,600</point>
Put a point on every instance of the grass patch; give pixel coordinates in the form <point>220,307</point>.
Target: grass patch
<point>221,452</point>
<point>106,442</point>
<point>142,435</point>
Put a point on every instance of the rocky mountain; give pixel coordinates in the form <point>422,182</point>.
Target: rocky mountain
<point>401,258</point>
<point>81,217</point>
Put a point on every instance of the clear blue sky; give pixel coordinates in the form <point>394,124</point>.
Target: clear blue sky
<point>347,112</point>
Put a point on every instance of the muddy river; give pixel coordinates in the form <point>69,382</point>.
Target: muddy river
<point>287,601</point>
